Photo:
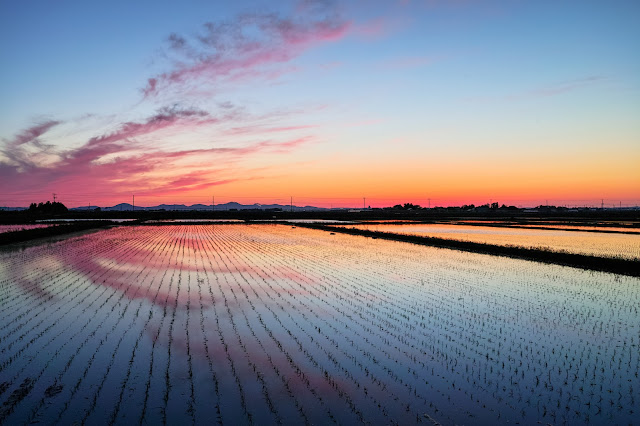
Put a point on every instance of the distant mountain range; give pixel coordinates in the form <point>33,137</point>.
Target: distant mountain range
<point>218,207</point>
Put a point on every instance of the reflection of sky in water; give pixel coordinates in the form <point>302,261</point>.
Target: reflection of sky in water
<point>600,244</point>
<point>270,322</point>
<point>588,228</point>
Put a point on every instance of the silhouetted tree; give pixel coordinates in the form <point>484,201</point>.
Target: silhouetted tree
<point>48,208</point>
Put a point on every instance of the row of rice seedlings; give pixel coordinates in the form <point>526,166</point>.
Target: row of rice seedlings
<point>230,382</point>
<point>33,359</point>
<point>444,353</point>
<point>270,293</point>
<point>342,350</point>
<point>263,408</point>
<point>204,392</point>
<point>30,274</point>
<point>131,292</point>
<point>332,358</point>
<point>156,379</point>
<point>348,332</point>
<point>27,345</point>
<point>46,346</point>
<point>59,300</point>
<point>85,357</point>
<point>178,376</point>
<point>125,383</point>
<point>273,357</point>
<point>623,299</point>
<point>369,332</point>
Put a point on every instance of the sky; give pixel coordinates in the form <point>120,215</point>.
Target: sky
<point>336,104</point>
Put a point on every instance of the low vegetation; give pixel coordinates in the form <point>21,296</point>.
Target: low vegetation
<point>50,231</point>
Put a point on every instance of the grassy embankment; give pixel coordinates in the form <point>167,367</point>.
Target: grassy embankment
<point>50,231</point>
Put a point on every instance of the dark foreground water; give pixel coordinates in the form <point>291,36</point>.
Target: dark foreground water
<point>271,324</point>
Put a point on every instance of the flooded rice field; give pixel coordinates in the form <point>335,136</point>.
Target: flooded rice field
<point>557,225</point>
<point>269,324</point>
<point>605,229</point>
<point>614,245</point>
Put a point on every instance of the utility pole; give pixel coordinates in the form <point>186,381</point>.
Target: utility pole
<point>133,203</point>
<point>364,202</point>
<point>54,197</point>
<point>602,203</point>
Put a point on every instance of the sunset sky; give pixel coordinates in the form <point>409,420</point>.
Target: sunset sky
<point>459,102</point>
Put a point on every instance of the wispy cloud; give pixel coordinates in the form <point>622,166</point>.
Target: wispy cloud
<point>117,142</point>
<point>141,155</point>
<point>119,162</point>
<point>164,118</point>
<point>259,129</point>
<point>552,90</point>
<point>31,134</point>
<point>245,47</point>
<point>560,88</point>
<point>20,149</point>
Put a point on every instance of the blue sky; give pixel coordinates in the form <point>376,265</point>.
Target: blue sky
<point>453,99</point>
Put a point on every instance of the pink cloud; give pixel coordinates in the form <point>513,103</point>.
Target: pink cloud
<point>247,47</point>
<point>165,117</point>
<point>257,129</point>
<point>14,149</point>
<point>83,170</point>
<point>32,133</point>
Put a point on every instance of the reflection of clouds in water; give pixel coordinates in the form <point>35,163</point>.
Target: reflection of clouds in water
<point>323,316</point>
<point>42,275</point>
